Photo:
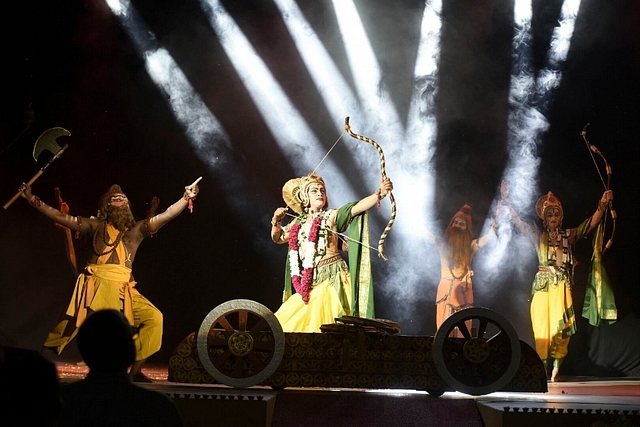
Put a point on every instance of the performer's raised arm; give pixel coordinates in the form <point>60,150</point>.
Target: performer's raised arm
<point>190,193</point>
<point>386,186</point>
<point>278,234</point>
<point>607,197</point>
<point>82,225</point>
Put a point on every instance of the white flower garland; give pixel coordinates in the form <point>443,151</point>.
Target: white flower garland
<point>309,253</point>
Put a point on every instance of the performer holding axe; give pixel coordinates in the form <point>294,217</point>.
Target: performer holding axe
<point>107,280</point>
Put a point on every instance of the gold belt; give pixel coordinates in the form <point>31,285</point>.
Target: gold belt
<point>332,259</point>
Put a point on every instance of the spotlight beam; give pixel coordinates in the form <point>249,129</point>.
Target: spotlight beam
<point>295,138</point>
<point>204,132</point>
<point>529,99</point>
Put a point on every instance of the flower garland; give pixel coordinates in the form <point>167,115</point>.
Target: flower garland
<point>302,278</point>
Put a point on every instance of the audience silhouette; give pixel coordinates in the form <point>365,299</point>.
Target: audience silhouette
<point>30,389</point>
<point>107,396</point>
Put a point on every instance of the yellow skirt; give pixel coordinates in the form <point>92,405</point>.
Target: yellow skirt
<point>328,299</point>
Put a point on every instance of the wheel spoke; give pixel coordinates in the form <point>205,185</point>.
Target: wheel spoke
<point>217,341</point>
<point>453,345</point>
<point>261,325</point>
<point>499,337</point>
<point>482,327</point>
<point>222,320</point>
<point>243,315</point>
<point>462,326</point>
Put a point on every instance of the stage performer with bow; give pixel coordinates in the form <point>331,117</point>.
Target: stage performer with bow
<point>552,312</point>
<point>325,287</point>
<point>107,281</point>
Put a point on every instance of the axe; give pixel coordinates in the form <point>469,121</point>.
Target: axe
<point>46,141</point>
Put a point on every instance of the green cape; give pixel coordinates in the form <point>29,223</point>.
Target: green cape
<point>362,304</point>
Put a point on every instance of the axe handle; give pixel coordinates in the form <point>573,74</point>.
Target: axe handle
<point>58,154</point>
<point>31,181</point>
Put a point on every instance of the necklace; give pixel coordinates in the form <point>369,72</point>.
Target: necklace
<point>458,278</point>
<point>110,246</point>
<point>553,243</point>
<point>312,214</point>
<point>305,252</point>
<point>106,237</point>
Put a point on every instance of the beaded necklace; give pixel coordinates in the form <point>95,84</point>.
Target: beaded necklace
<point>553,241</point>
<point>110,247</point>
<point>302,261</point>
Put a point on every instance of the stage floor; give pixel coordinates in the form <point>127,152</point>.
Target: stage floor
<point>576,401</point>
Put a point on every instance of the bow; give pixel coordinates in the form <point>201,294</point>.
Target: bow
<point>593,149</point>
<point>392,199</point>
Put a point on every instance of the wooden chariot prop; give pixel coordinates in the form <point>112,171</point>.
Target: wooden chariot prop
<point>241,344</point>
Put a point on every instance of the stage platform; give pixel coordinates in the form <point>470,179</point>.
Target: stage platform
<point>577,401</point>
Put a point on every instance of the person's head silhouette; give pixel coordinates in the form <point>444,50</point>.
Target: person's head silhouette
<point>26,376</point>
<point>105,342</point>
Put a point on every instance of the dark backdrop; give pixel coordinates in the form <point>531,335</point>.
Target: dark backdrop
<point>71,64</point>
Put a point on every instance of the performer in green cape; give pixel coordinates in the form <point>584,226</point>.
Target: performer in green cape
<point>325,287</point>
<point>552,313</point>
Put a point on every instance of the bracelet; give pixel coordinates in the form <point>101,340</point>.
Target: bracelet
<point>35,201</point>
<point>189,201</point>
<point>277,238</point>
<point>187,198</point>
<point>379,194</point>
<point>274,223</point>
<point>602,205</point>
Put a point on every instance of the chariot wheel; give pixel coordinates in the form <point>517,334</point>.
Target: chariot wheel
<point>484,358</point>
<point>240,343</point>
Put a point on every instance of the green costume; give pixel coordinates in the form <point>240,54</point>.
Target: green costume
<point>335,291</point>
<point>552,312</point>
<point>599,302</point>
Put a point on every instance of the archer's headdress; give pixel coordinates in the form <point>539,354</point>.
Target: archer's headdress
<point>295,191</point>
<point>547,201</point>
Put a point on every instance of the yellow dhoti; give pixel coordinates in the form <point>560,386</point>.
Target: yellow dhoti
<point>107,286</point>
<point>553,320</point>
